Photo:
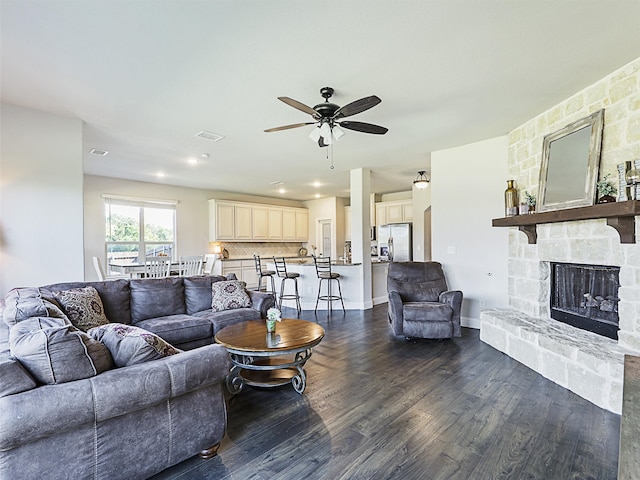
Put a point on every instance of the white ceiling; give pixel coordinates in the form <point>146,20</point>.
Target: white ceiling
<point>147,75</point>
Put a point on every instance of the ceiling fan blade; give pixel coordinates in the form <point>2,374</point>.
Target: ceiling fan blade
<point>364,127</point>
<point>287,127</point>
<point>357,107</point>
<point>300,106</point>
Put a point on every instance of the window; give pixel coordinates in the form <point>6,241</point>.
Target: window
<point>137,229</point>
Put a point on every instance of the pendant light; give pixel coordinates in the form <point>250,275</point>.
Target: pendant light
<point>421,181</point>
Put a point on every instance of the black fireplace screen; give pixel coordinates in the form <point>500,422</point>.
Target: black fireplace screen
<point>586,296</point>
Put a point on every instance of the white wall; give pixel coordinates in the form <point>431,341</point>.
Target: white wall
<point>421,224</point>
<point>40,198</point>
<point>467,191</point>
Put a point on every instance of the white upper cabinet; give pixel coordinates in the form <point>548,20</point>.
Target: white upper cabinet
<point>252,222</point>
<point>221,221</point>
<point>260,223</point>
<point>274,224</point>
<point>243,224</point>
<point>394,212</point>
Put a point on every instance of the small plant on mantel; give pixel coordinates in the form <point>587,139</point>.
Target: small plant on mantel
<point>530,199</point>
<point>606,190</point>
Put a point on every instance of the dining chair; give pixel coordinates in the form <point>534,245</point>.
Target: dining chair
<point>97,265</point>
<point>157,267</point>
<point>210,261</point>
<point>191,265</point>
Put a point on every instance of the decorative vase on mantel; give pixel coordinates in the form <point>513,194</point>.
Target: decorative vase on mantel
<point>510,200</point>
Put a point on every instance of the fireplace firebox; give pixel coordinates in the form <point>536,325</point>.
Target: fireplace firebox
<point>586,296</point>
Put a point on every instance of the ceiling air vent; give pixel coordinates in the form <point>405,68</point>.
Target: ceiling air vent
<point>210,136</point>
<point>96,151</point>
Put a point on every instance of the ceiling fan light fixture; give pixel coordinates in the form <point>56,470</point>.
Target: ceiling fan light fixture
<point>421,181</point>
<point>338,133</point>
<point>325,131</point>
<point>315,134</point>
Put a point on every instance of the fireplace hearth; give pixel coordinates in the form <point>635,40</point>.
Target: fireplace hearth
<point>586,297</point>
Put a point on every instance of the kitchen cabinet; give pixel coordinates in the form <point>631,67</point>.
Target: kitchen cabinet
<point>243,224</point>
<point>221,221</point>
<point>394,212</point>
<point>274,224</point>
<point>244,270</point>
<point>253,222</point>
<point>302,224</point>
<point>288,225</point>
<point>259,223</point>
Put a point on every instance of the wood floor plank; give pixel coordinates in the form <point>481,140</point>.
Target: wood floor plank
<point>381,407</point>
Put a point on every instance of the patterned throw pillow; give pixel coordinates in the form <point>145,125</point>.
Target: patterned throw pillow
<point>83,307</point>
<point>229,295</point>
<point>130,345</point>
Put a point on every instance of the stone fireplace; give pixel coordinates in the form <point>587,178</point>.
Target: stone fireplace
<point>586,363</point>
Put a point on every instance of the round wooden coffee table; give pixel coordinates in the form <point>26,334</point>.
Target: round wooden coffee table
<point>264,359</point>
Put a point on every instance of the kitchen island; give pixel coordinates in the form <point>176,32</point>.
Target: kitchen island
<point>350,282</point>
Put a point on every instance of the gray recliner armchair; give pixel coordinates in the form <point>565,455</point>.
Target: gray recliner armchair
<point>420,303</point>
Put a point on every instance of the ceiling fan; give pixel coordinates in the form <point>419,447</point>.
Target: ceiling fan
<point>328,116</point>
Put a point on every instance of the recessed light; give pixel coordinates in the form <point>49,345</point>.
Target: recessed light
<point>160,174</point>
<point>282,190</point>
<point>216,137</point>
<point>317,195</point>
<point>96,151</point>
<point>316,184</point>
<point>192,161</point>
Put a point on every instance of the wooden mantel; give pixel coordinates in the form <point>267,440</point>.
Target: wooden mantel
<point>619,215</point>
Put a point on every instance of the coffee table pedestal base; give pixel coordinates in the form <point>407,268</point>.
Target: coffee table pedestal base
<point>263,370</point>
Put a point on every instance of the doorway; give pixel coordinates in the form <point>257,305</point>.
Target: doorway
<point>324,241</point>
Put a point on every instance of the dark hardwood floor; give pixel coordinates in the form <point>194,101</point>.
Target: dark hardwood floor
<point>380,407</point>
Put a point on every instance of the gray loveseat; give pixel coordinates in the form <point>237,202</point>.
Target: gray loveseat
<point>128,422</point>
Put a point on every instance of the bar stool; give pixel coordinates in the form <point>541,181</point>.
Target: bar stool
<point>264,273</point>
<point>323,270</point>
<point>281,269</point>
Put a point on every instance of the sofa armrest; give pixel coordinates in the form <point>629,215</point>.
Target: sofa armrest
<point>51,409</point>
<point>261,301</point>
<point>395,312</point>
<point>453,298</point>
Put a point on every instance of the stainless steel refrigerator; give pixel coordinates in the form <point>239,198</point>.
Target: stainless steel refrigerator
<point>394,242</point>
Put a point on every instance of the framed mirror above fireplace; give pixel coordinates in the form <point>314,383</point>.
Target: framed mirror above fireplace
<point>570,163</point>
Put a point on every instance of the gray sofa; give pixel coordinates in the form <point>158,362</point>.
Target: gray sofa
<point>128,422</point>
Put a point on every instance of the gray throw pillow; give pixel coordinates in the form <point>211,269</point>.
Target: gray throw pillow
<point>53,351</point>
<point>229,295</point>
<point>130,345</point>
<point>24,303</point>
<point>83,306</point>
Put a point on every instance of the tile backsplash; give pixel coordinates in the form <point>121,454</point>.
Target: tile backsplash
<point>266,249</point>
